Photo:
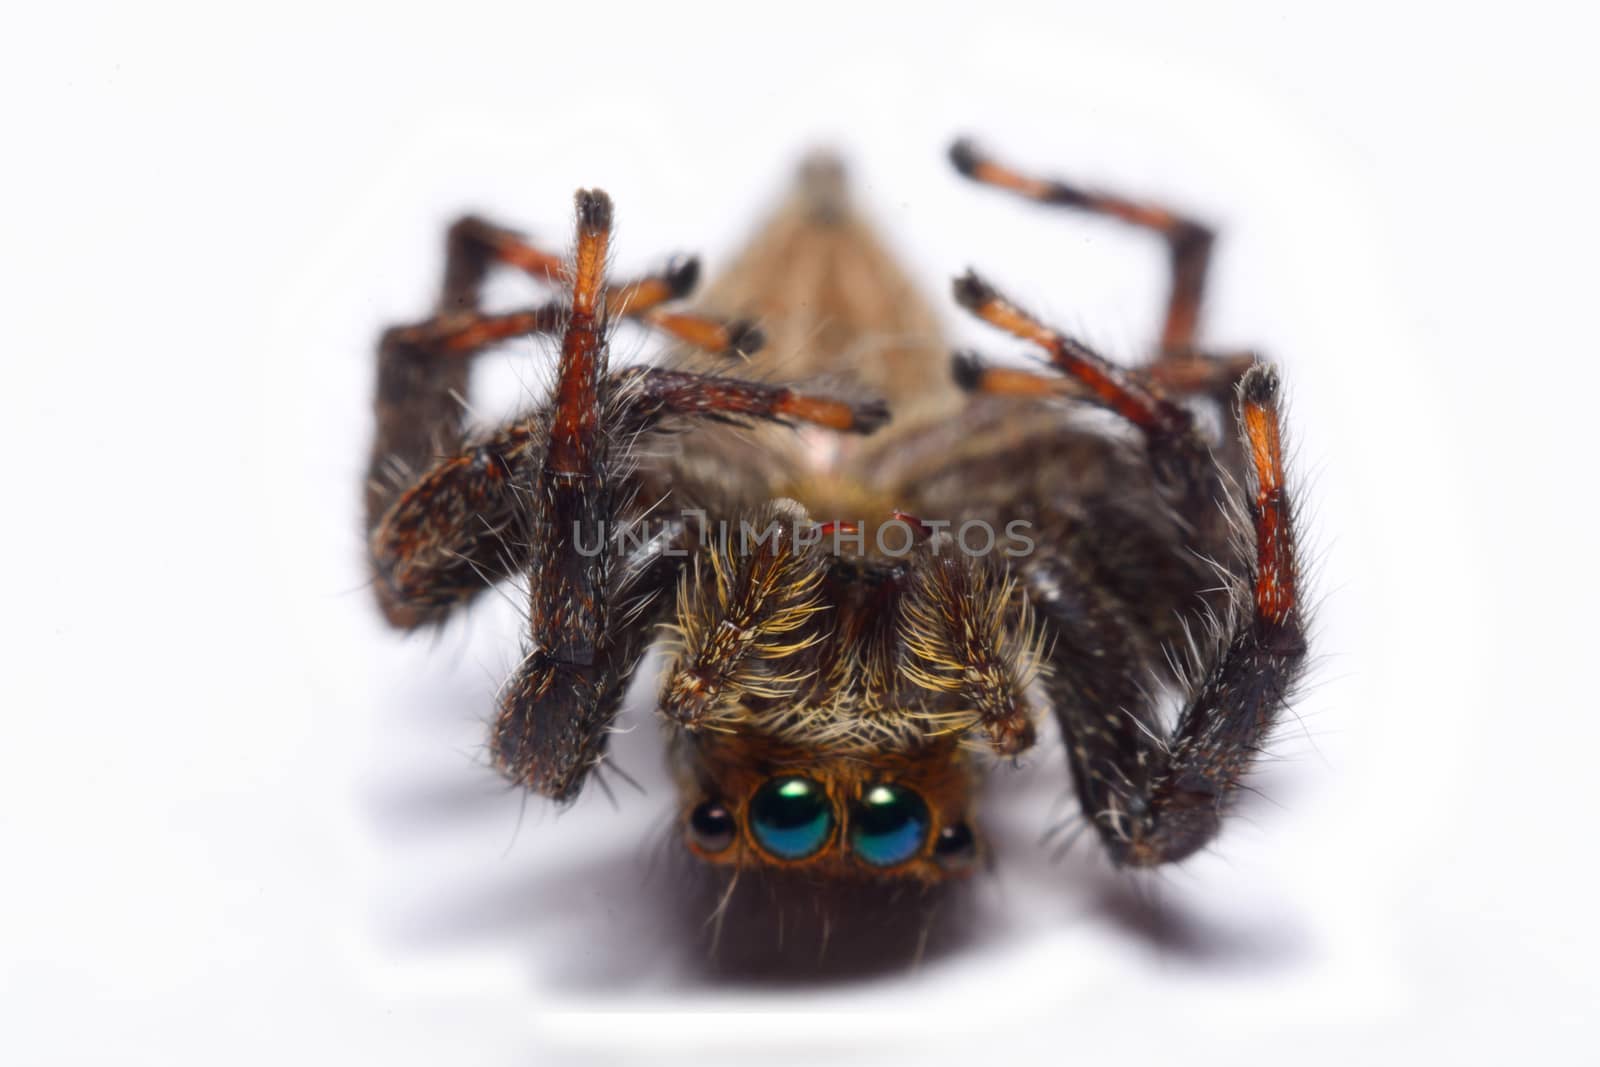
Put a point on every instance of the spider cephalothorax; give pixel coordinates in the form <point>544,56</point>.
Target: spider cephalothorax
<point>873,685</point>
<point>859,615</point>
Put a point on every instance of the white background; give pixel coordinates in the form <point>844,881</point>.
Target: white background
<point>240,822</point>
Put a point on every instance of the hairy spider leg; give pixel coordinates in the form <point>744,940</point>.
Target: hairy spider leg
<point>1184,469</point>
<point>1179,377</point>
<point>660,392</point>
<point>1188,241</point>
<point>461,526</point>
<point>423,368</point>
<point>1182,367</point>
<point>1154,798</point>
<point>1101,380</point>
<point>477,239</point>
<point>556,711</point>
<point>1243,685</point>
<point>439,514</point>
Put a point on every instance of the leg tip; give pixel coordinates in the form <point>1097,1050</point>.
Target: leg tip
<point>745,339</point>
<point>594,210</point>
<point>682,275</point>
<point>964,157</point>
<point>967,370</point>
<point>1258,386</point>
<point>972,292</point>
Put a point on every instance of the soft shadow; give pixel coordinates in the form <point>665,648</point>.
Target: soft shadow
<point>1174,929</point>
<point>623,921</point>
<point>1162,911</point>
<point>774,928</point>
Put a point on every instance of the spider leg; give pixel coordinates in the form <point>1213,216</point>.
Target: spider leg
<point>440,510</point>
<point>1098,378</point>
<point>1156,799</point>
<point>1182,367</point>
<point>461,526</point>
<point>1185,472</point>
<point>1189,242</point>
<point>1178,376</point>
<point>423,368</point>
<point>556,711</point>
<point>557,707</point>
<point>457,529</point>
<point>481,242</point>
<point>657,392</point>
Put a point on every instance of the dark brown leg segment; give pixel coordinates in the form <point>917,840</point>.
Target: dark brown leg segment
<point>558,705</point>
<point>463,525</point>
<point>458,529</point>
<point>541,494</point>
<point>423,369</point>
<point>557,709</point>
<point>444,518</point>
<point>655,393</point>
<point>1155,800</point>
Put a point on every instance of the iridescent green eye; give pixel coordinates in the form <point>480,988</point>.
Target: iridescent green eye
<point>791,817</point>
<point>888,825</point>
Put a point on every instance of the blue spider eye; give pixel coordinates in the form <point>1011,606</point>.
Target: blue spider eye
<point>791,817</point>
<point>889,825</point>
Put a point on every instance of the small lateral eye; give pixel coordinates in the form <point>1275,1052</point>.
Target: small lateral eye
<point>790,817</point>
<point>888,825</point>
<point>955,848</point>
<point>711,826</point>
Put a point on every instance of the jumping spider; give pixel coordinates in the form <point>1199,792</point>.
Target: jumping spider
<point>835,685</point>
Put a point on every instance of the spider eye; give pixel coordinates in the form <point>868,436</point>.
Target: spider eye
<point>955,848</point>
<point>888,825</point>
<point>711,826</point>
<point>791,817</point>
